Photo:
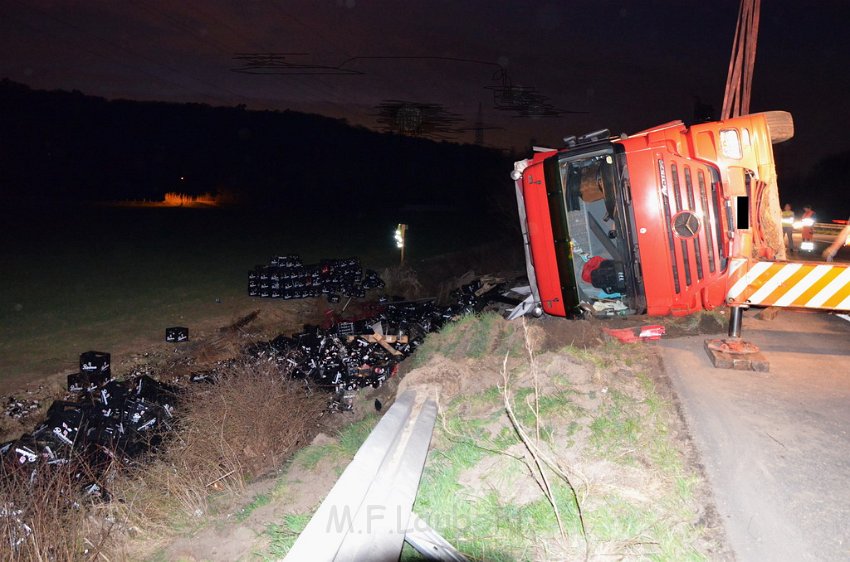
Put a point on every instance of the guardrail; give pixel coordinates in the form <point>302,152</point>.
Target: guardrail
<point>368,514</point>
<point>827,228</point>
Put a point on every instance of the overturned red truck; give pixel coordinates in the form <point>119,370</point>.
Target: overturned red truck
<point>667,221</point>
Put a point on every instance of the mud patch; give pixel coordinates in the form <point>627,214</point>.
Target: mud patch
<point>587,334</point>
<point>214,545</point>
<point>561,332</point>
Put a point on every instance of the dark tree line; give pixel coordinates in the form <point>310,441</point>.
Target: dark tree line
<point>62,146</point>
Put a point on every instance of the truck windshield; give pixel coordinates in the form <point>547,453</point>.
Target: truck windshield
<point>599,222</point>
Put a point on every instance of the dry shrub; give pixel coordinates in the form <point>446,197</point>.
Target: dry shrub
<point>403,281</point>
<point>44,514</point>
<point>225,434</point>
<point>241,428</point>
<point>250,421</point>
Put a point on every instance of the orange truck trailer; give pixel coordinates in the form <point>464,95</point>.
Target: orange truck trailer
<point>668,221</point>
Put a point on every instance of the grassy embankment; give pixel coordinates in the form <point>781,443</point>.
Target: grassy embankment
<point>541,452</point>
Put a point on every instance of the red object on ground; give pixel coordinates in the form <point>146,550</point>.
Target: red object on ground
<point>627,335</point>
<point>652,332</point>
<point>592,264</point>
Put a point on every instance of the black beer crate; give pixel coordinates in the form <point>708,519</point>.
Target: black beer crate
<point>176,334</point>
<point>87,381</point>
<point>95,363</point>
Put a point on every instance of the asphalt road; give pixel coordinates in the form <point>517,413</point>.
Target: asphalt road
<point>776,446</point>
<point>821,242</point>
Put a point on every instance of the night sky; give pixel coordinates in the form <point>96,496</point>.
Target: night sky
<point>583,65</point>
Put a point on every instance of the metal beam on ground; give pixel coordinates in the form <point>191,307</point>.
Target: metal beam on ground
<point>429,543</point>
<point>368,513</point>
<point>380,528</point>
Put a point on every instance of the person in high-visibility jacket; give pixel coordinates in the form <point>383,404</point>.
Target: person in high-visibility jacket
<point>788,226</point>
<point>808,220</point>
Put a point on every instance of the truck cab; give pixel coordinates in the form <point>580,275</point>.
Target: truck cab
<point>647,223</point>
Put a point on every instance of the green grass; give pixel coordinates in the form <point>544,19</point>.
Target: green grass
<point>491,397</point>
<point>475,336</point>
<point>481,338</point>
<point>348,441</point>
<point>617,428</point>
<point>622,432</point>
<point>642,530</point>
<point>103,278</point>
<point>556,410</point>
<point>353,435</point>
<point>483,527</point>
<point>282,536</point>
<point>626,425</point>
<point>486,527</point>
<point>312,455</point>
<point>259,501</point>
<point>630,424</point>
<point>584,355</point>
<point>617,520</point>
<point>553,404</point>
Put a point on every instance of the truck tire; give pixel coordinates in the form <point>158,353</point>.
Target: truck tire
<point>780,124</point>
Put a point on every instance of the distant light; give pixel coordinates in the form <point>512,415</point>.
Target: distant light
<point>399,235</point>
<point>182,178</point>
<point>400,232</point>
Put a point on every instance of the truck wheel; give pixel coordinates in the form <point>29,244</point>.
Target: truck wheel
<point>780,124</point>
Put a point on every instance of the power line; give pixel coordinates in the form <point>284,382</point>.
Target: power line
<point>277,63</point>
<point>306,90</point>
<point>317,32</point>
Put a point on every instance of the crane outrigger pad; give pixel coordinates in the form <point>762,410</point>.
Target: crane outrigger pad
<point>734,353</point>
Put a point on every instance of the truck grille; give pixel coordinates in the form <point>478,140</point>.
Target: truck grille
<point>693,254</point>
<point>677,194</point>
<point>703,196</point>
<point>668,222</point>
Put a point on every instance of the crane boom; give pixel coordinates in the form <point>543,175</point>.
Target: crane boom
<point>739,80</point>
